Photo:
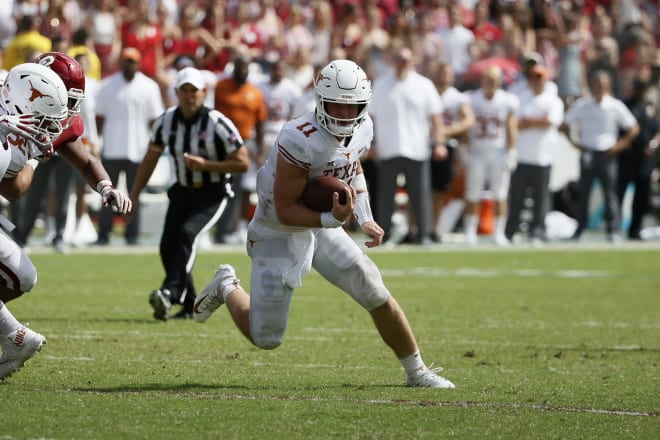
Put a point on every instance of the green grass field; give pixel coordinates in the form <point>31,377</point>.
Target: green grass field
<point>552,344</point>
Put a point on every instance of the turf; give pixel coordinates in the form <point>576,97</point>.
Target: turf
<point>560,343</point>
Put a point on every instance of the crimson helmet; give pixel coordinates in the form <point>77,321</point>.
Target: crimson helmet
<point>71,73</point>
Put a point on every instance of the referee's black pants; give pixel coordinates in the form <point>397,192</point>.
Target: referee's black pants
<point>190,214</point>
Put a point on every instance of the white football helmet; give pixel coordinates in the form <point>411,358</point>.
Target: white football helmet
<point>34,89</point>
<point>342,82</point>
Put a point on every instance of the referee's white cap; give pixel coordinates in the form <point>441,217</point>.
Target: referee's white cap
<point>192,76</point>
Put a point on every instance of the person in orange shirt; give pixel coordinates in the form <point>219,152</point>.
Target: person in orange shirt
<point>245,105</point>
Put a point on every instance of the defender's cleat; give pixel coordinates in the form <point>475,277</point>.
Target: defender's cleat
<point>428,378</point>
<point>160,301</point>
<point>17,348</point>
<point>210,299</point>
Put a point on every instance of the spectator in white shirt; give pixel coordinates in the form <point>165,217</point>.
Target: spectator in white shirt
<point>457,40</point>
<point>541,114</point>
<point>127,103</point>
<point>598,121</point>
<point>407,113</point>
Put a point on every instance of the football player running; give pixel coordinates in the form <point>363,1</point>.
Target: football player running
<point>33,109</point>
<point>285,238</point>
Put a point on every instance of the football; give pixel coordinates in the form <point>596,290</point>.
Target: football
<point>318,193</point>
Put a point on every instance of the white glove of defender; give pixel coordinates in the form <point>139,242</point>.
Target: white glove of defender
<point>511,159</point>
<point>22,125</point>
<point>113,197</point>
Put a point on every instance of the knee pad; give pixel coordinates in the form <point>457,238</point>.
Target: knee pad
<point>365,285</point>
<point>18,272</point>
<point>269,310</point>
<point>28,278</point>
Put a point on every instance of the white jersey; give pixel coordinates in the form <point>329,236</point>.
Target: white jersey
<point>537,146</point>
<point>16,270</point>
<point>489,131</point>
<point>452,101</point>
<point>304,143</point>
<point>14,151</point>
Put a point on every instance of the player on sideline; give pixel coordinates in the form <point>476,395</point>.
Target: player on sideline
<point>285,239</point>
<point>33,109</point>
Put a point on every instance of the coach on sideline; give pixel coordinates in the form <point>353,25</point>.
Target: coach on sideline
<point>206,149</point>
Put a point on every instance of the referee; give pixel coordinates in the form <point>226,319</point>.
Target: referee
<point>206,149</point>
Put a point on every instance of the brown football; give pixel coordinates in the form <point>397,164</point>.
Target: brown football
<point>318,193</point>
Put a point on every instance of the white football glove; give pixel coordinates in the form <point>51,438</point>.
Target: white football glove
<point>22,125</point>
<point>511,159</point>
<point>113,197</point>
<point>39,153</point>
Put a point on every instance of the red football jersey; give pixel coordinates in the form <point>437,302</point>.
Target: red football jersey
<point>72,132</point>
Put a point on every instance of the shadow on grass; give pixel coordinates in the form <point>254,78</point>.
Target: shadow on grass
<point>622,349</point>
<point>119,320</point>
<point>190,388</point>
<point>186,388</point>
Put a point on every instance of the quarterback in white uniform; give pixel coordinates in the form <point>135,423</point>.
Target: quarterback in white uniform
<point>33,109</point>
<point>491,152</point>
<point>285,238</point>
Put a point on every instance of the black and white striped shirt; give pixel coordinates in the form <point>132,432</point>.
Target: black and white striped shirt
<point>209,134</point>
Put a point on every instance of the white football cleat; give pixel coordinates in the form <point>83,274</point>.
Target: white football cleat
<point>210,299</point>
<point>428,378</point>
<point>17,348</point>
<point>160,301</point>
<point>501,240</point>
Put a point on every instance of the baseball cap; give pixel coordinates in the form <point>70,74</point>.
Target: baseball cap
<point>533,58</point>
<point>130,53</point>
<point>192,76</point>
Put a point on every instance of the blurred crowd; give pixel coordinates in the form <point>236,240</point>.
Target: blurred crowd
<point>293,39</point>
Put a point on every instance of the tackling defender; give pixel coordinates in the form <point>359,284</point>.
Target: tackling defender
<point>33,109</point>
<point>70,147</point>
<point>285,239</point>
<point>69,144</point>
